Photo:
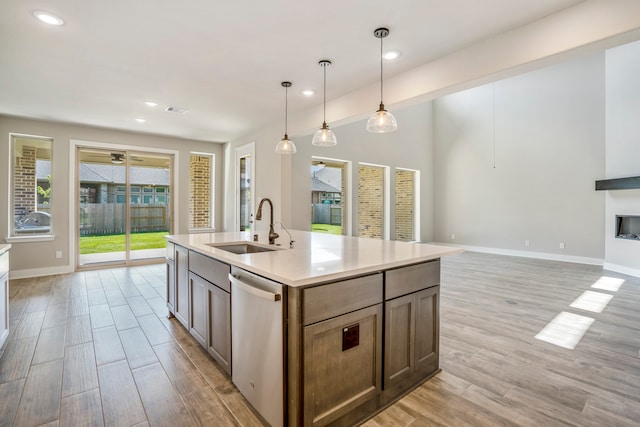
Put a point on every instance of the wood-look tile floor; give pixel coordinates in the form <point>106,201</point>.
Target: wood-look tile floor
<point>96,348</point>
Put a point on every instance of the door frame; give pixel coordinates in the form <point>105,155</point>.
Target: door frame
<point>346,199</point>
<point>240,152</point>
<point>74,199</point>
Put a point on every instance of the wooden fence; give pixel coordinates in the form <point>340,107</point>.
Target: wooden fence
<point>326,214</point>
<point>99,219</point>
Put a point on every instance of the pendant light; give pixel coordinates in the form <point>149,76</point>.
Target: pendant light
<point>381,121</point>
<point>285,146</point>
<point>324,137</point>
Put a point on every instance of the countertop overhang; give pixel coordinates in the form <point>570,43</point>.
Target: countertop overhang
<point>316,257</point>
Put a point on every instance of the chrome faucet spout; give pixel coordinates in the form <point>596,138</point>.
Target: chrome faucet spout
<point>272,234</point>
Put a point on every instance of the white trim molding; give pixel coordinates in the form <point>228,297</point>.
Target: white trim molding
<point>621,269</point>
<point>527,254</point>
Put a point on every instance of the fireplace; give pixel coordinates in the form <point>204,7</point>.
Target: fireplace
<point>628,227</point>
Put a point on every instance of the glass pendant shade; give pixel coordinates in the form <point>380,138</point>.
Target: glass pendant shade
<point>381,121</point>
<point>324,137</point>
<point>285,146</point>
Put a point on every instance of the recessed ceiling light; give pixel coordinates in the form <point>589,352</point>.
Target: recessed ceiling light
<point>140,120</point>
<point>308,92</point>
<point>391,54</point>
<point>48,18</point>
<point>151,103</point>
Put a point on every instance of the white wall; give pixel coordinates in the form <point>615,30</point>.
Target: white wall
<point>623,152</point>
<point>548,131</point>
<point>38,258</point>
<point>411,147</point>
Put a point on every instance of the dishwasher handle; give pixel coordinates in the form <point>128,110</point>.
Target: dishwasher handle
<point>269,296</point>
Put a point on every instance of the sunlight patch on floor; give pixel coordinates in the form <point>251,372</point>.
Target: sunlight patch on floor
<point>608,284</point>
<point>592,301</point>
<point>565,330</point>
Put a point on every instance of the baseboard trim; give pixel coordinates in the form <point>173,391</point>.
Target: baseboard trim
<point>622,269</point>
<point>527,254</point>
<point>38,272</point>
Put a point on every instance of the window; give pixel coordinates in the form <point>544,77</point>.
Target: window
<point>201,173</point>
<point>407,205</point>
<point>373,204</point>
<point>31,186</point>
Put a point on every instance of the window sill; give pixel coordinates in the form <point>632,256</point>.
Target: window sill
<point>31,238</point>
<point>201,230</point>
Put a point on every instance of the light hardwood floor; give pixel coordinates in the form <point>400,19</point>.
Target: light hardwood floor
<point>96,348</point>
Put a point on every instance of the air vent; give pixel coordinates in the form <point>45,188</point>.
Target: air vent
<point>178,110</point>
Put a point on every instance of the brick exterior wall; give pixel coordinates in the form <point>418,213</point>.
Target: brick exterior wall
<point>405,198</point>
<point>24,181</point>
<point>370,201</point>
<point>199,191</point>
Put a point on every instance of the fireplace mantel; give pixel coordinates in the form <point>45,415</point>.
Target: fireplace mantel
<point>618,183</point>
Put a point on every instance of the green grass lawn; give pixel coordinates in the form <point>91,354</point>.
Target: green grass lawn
<point>116,242</point>
<point>326,228</point>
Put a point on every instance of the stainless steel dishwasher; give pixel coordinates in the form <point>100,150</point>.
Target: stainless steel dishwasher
<point>257,362</point>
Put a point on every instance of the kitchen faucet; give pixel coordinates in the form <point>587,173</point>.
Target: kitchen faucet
<point>272,234</point>
<point>291,241</point>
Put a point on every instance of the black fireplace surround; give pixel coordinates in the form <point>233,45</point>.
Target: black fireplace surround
<point>628,227</point>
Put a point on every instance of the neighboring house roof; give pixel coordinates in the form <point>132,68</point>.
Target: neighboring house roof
<point>317,185</point>
<point>113,174</point>
<point>330,175</point>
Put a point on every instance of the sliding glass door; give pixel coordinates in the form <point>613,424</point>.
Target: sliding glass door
<point>124,207</point>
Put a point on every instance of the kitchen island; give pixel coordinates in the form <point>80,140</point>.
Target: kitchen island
<point>356,326</point>
<point>4,294</point>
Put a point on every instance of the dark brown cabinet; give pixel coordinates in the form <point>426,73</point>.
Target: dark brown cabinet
<point>411,336</point>
<point>343,353</point>
<point>210,307</point>
<point>411,326</point>
<point>4,297</point>
<point>182,285</point>
<point>171,278</point>
<point>198,313</point>
<point>219,326</point>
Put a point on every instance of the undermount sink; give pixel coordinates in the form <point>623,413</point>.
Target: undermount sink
<point>240,248</point>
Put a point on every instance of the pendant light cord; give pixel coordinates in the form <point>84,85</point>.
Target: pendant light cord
<point>286,108</point>
<point>324,95</point>
<point>381,80</point>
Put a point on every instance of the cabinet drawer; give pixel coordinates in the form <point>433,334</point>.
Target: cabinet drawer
<point>214,271</point>
<point>327,301</point>
<point>4,263</point>
<point>171,251</point>
<point>405,280</point>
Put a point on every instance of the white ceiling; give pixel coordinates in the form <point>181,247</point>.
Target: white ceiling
<point>223,60</point>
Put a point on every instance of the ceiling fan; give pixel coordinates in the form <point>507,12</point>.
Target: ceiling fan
<point>115,158</point>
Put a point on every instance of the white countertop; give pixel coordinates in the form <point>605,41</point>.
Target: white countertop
<point>4,248</point>
<point>316,257</point>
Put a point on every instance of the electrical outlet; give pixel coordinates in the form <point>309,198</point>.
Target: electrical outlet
<point>561,245</point>
<point>58,254</point>
<point>526,243</point>
<point>453,236</point>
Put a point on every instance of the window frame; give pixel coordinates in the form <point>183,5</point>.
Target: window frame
<point>12,235</point>
<point>212,193</point>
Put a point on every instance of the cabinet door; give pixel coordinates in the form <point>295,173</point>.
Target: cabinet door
<point>342,364</point>
<point>4,309</point>
<point>400,318</point>
<point>182,285</point>
<point>198,314</point>
<point>171,286</point>
<point>427,335</point>
<point>219,332</point>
